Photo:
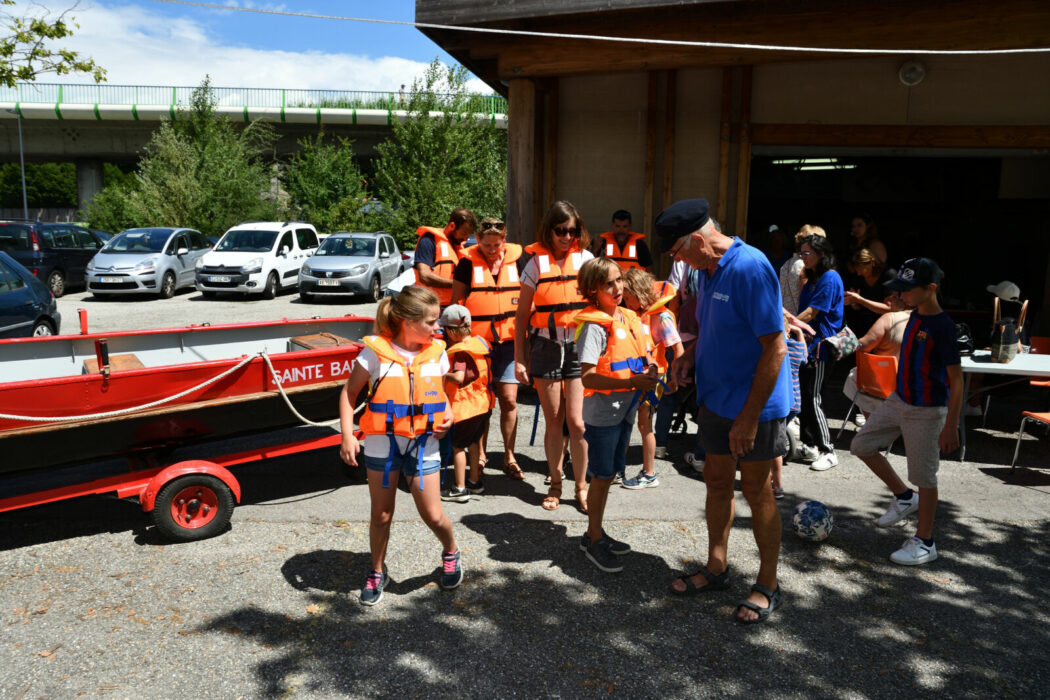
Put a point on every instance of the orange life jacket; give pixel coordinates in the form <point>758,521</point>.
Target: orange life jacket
<point>475,398</point>
<point>664,294</point>
<point>405,400</point>
<point>445,260</point>
<point>557,299</point>
<point>493,302</point>
<point>628,344</point>
<point>627,256</point>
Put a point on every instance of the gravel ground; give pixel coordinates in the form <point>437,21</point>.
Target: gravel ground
<point>93,603</point>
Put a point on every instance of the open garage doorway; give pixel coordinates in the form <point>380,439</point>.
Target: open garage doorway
<point>983,218</point>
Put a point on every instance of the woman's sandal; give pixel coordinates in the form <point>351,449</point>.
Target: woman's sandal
<point>514,471</point>
<point>553,499</point>
<point>581,498</point>
<point>775,601</point>
<point>714,583</point>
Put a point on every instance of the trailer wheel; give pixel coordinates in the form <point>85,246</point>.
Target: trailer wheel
<point>193,507</point>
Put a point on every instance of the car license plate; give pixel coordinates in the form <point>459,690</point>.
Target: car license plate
<point>328,283</point>
<point>219,278</point>
<point>110,280</point>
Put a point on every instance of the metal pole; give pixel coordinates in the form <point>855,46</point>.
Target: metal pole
<point>22,165</point>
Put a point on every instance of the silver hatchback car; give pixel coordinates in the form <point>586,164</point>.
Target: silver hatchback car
<point>351,263</point>
<point>147,261</point>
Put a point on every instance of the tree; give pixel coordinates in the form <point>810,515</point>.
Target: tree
<point>326,185</point>
<point>47,185</point>
<point>431,165</point>
<point>26,51</point>
<point>198,171</point>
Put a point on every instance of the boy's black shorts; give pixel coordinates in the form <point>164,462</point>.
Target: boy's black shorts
<point>465,433</point>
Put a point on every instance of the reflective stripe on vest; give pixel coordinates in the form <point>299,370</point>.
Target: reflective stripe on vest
<point>557,298</point>
<point>475,398</point>
<point>493,302</point>
<point>445,261</point>
<point>626,257</point>
<point>627,345</point>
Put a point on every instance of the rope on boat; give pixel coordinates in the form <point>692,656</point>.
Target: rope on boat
<point>124,411</point>
<point>160,402</point>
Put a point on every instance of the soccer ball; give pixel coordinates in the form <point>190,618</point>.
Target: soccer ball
<point>812,521</point>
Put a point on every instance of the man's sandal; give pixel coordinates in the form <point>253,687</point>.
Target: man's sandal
<point>581,498</point>
<point>714,583</point>
<point>775,601</point>
<point>553,499</point>
<point>514,471</point>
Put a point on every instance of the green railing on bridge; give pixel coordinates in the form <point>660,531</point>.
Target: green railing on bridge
<point>57,93</point>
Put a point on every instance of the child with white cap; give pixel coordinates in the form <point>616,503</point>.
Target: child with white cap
<point>468,387</point>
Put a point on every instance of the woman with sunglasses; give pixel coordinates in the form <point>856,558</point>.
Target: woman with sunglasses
<point>547,311</point>
<point>486,281</point>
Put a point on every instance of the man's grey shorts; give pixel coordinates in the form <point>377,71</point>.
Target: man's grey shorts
<point>770,440</point>
<point>919,425</point>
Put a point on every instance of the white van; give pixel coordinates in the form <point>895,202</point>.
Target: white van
<point>257,257</point>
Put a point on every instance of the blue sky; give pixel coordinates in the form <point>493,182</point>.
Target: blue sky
<point>143,42</point>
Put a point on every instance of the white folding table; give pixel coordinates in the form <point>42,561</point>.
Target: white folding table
<point>1023,367</point>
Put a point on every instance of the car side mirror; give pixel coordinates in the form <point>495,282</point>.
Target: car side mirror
<point>182,251</point>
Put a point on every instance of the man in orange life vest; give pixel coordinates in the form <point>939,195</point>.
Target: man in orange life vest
<point>623,245</point>
<point>437,252</point>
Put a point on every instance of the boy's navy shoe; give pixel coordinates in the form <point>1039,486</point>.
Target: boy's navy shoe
<point>615,546</point>
<point>476,487</point>
<point>600,554</point>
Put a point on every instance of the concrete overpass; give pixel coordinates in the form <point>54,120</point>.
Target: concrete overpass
<point>94,124</point>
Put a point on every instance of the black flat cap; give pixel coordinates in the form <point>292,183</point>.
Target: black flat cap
<point>679,219</point>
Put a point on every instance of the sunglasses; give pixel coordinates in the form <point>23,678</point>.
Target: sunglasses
<point>674,251</point>
<point>561,232</point>
<point>498,225</point>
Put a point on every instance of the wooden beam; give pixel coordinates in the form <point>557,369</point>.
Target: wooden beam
<point>743,173</point>
<point>888,24</point>
<point>551,158</point>
<point>650,155</point>
<point>723,146</point>
<point>901,136</point>
<point>521,223</point>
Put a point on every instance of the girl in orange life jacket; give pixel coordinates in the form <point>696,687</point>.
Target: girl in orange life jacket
<point>468,391</point>
<point>486,282</point>
<point>547,307</point>
<point>405,414</point>
<point>642,294</point>
<point>614,356</point>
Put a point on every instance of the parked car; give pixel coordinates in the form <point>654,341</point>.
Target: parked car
<point>351,263</point>
<point>158,260</point>
<point>55,253</point>
<point>27,306</point>
<point>257,257</point>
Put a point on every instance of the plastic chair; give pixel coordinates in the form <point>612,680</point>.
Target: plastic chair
<point>876,376</point>
<point>1027,416</point>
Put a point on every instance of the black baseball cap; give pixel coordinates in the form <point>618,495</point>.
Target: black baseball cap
<point>681,218</point>
<point>917,272</point>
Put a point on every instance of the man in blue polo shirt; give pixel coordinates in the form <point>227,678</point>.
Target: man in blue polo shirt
<point>743,387</point>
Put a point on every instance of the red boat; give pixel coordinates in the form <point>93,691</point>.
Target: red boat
<point>68,399</point>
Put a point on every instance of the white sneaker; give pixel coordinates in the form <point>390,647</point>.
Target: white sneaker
<point>694,462</point>
<point>914,552</point>
<point>661,451</point>
<point>806,453</point>
<point>825,462</point>
<point>859,420</point>
<point>898,510</point>
<point>795,428</point>
<point>969,410</point>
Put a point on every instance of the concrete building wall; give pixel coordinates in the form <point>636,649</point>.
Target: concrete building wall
<point>697,127</point>
<point>1005,90</point>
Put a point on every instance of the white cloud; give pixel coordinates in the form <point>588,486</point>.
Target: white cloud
<point>138,46</point>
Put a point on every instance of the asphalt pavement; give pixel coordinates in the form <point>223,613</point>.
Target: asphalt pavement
<point>93,602</point>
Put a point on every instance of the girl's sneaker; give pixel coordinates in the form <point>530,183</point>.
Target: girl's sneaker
<point>642,481</point>
<point>476,487</point>
<point>778,493</point>
<point>451,570</point>
<point>372,592</point>
<point>455,494</point>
